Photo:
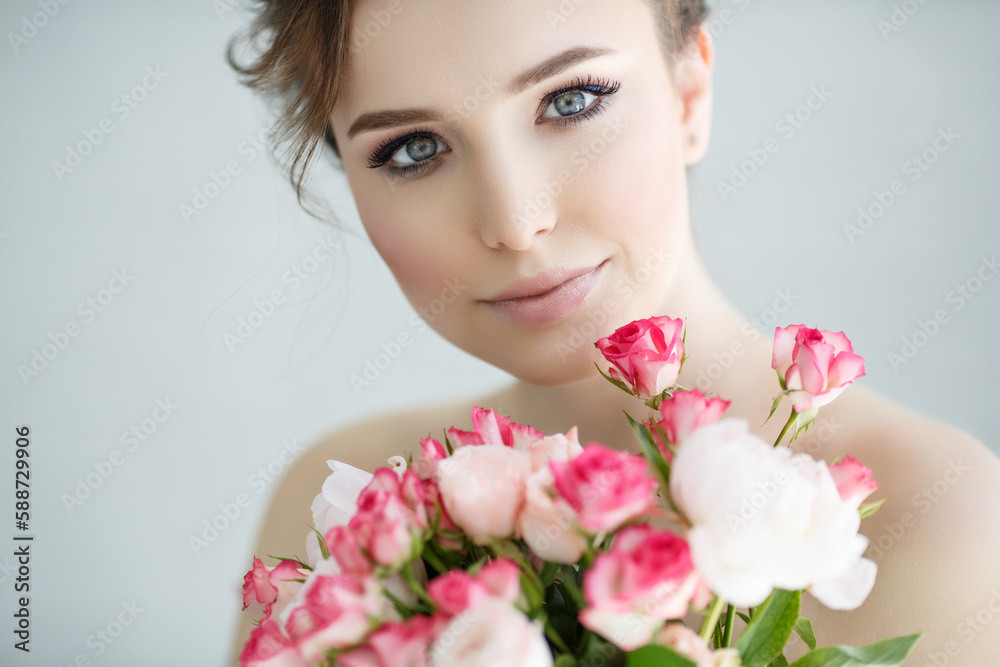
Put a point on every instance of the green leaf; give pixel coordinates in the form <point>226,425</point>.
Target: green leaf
<point>780,661</point>
<point>770,629</point>
<point>618,383</point>
<point>886,653</point>
<point>322,544</point>
<point>867,509</point>
<point>549,573</point>
<point>746,619</point>
<point>656,656</point>
<point>774,407</point>
<point>804,629</point>
<point>652,453</point>
<point>565,661</point>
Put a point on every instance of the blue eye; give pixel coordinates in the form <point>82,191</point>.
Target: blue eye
<point>414,152</point>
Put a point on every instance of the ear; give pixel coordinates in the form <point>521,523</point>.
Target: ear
<point>693,79</point>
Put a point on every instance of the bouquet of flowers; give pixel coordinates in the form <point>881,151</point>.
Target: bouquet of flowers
<point>505,546</point>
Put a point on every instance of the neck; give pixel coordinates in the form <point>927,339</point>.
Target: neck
<point>726,357</point>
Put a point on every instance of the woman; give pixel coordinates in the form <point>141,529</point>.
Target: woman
<point>524,164</point>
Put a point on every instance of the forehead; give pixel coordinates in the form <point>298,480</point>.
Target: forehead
<point>417,52</point>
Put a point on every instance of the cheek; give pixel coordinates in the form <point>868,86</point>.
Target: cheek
<point>640,185</point>
<point>414,256</point>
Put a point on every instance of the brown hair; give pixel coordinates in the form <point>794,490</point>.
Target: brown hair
<point>304,53</point>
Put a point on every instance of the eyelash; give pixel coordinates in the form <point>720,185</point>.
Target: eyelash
<point>601,88</point>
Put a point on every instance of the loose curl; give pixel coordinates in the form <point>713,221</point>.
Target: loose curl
<point>301,56</point>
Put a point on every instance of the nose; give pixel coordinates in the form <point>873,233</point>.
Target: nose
<point>515,206</point>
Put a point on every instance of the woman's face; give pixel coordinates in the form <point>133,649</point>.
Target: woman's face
<point>520,167</point>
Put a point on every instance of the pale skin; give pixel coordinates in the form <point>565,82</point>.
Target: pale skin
<point>463,219</point>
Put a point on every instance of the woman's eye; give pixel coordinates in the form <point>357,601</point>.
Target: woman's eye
<point>569,103</point>
<point>417,150</point>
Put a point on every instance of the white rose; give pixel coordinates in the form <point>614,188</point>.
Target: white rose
<point>336,503</point>
<point>763,517</point>
<point>491,634</point>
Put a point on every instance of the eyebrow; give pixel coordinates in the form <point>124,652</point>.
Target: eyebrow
<point>377,120</point>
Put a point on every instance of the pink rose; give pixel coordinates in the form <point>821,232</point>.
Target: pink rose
<point>548,524</point>
<point>646,354</point>
<point>455,591</point>
<point>268,647</point>
<point>645,579</point>
<point>813,365</point>
<point>605,487</point>
<point>854,481</point>
<point>684,412</point>
<point>392,515</point>
<point>432,452</point>
<point>273,587</point>
<point>345,550</point>
<point>493,429</point>
<point>334,611</point>
<point>482,489</point>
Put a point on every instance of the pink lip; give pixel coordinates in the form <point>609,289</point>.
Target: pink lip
<point>546,298</point>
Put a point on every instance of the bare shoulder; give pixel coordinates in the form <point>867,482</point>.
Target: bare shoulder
<point>936,540</point>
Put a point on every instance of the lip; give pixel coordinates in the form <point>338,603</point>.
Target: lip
<point>546,298</point>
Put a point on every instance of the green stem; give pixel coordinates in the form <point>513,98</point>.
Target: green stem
<point>411,580</point>
<point>551,633</point>
<point>789,425</point>
<point>569,583</point>
<point>714,612</point>
<point>435,562</point>
<point>727,638</point>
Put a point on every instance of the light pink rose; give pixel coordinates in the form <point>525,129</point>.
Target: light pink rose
<point>686,641</point>
<point>684,412</point>
<point>493,429</point>
<point>763,518</point>
<point>646,578</point>
<point>646,354</point>
<point>502,578</point>
<point>273,587</point>
<point>406,644</point>
<point>482,489</point>
<point>336,503</point>
<point>606,488</point>
<point>491,634</point>
<point>854,480</point>
<point>815,366</point>
<point>556,447</point>
<point>548,524</point>
<point>269,647</point>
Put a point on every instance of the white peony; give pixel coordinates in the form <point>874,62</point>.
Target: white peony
<point>336,504</point>
<point>763,518</point>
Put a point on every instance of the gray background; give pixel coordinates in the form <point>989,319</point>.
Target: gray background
<point>237,410</point>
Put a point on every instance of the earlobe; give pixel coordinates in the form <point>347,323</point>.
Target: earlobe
<point>694,85</point>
